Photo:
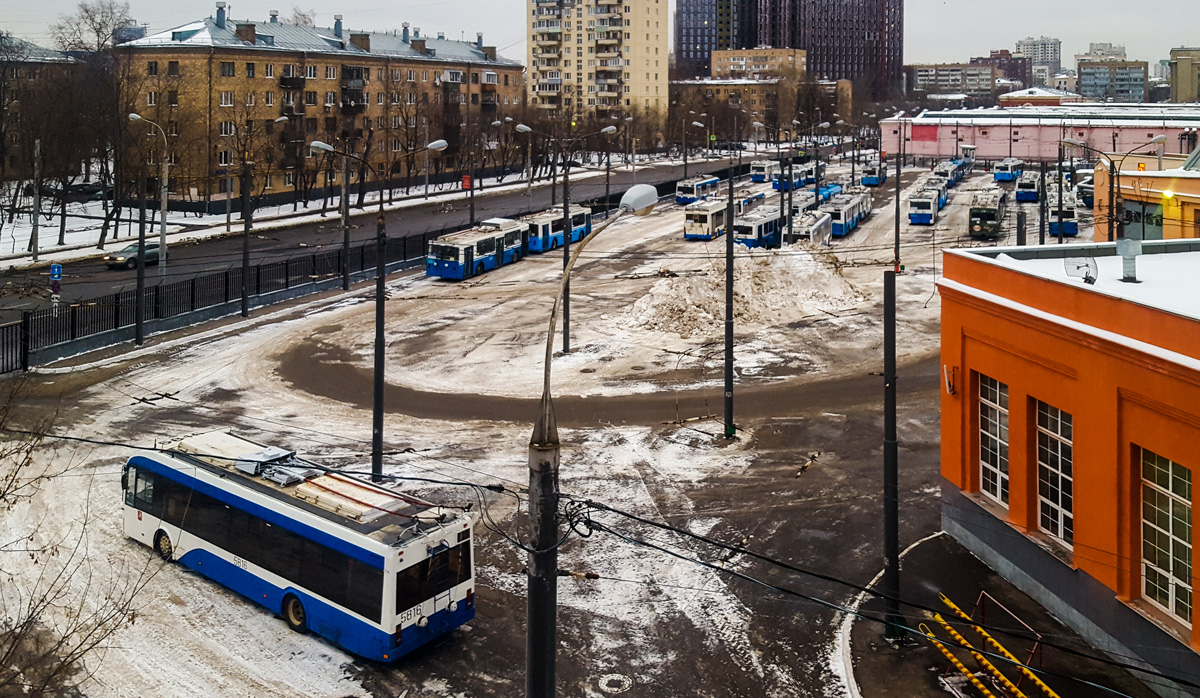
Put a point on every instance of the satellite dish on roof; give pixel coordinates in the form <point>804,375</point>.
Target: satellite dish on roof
<point>1082,268</point>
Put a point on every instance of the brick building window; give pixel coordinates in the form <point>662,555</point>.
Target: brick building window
<point>172,98</point>
<point>310,72</point>
<point>151,68</point>
<point>1167,535</point>
<point>151,99</point>
<point>228,69</point>
<point>249,70</point>
<point>330,72</point>
<point>269,98</point>
<point>1055,479</point>
<point>223,158</point>
<point>310,98</point>
<point>993,439</point>
<point>226,128</point>
<point>173,69</point>
<point>269,70</point>
<point>227,99</point>
<point>330,98</point>
<point>249,99</point>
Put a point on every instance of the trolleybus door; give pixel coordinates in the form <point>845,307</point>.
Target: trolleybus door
<point>468,261</point>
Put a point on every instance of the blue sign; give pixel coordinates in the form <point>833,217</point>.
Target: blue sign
<point>55,272</point>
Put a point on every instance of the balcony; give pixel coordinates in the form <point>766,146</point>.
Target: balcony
<point>546,40</point>
<point>353,84</point>
<point>608,2</point>
<point>607,91</point>
<point>295,82</point>
<point>608,54</point>
<point>608,68</point>
<point>608,38</point>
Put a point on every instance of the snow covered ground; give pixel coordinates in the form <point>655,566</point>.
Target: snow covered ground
<point>647,314</point>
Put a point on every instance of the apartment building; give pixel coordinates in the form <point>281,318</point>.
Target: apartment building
<point>33,83</point>
<point>230,91</point>
<point>1013,67</point>
<point>705,26</point>
<point>960,78</point>
<point>1114,81</point>
<point>1184,74</point>
<point>598,57</point>
<point>760,62</point>
<point>1044,52</point>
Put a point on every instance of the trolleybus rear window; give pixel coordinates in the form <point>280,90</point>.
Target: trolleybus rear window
<point>432,576</point>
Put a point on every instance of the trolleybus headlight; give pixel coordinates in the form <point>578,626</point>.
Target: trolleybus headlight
<point>453,606</point>
<point>422,622</point>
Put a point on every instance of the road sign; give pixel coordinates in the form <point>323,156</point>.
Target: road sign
<point>712,138</point>
<point>466,182</point>
<point>55,272</point>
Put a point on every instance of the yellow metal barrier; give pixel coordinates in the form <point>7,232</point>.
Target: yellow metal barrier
<point>1000,648</point>
<point>957,664</point>
<point>983,661</point>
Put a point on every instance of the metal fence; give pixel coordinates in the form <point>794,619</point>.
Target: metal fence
<point>67,323</point>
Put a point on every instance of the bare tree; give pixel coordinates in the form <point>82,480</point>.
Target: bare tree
<point>59,606</point>
<point>301,17</point>
<point>92,27</point>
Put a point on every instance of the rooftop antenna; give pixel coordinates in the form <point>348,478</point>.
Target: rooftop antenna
<point>1082,268</point>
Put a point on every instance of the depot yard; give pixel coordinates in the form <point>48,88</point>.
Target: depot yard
<point>639,402</point>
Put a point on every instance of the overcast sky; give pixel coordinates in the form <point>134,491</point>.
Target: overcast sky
<point>935,30</point>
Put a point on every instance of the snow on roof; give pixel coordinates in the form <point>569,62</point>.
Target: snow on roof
<point>16,50</point>
<point>1166,271</point>
<point>727,81</point>
<point>280,36</point>
<point>1073,114</point>
<point>1040,92</point>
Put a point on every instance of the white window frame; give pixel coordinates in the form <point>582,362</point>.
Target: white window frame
<point>227,98</point>
<point>269,70</point>
<point>1167,484</point>
<point>249,99</point>
<point>993,439</point>
<point>151,99</point>
<point>331,72</point>
<point>1055,461</point>
<point>226,128</point>
<point>310,72</point>
<point>223,158</point>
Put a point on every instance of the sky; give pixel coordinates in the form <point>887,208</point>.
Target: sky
<point>935,30</point>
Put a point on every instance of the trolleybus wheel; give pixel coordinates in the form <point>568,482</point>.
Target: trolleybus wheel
<point>478,269</point>
<point>293,613</point>
<point>162,544</point>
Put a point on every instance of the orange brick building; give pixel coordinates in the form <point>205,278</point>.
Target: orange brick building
<point>1070,426</point>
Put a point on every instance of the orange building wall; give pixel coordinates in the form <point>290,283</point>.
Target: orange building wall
<point>1119,398</point>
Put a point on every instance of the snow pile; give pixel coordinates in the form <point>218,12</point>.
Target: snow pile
<point>771,287</point>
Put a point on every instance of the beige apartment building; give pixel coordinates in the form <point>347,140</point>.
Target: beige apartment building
<point>1185,74</point>
<point>760,62</point>
<point>946,78</point>
<point>598,57</point>
<point>231,91</point>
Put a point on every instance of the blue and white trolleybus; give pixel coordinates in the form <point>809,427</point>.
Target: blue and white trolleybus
<point>696,188</point>
<point>546,228</point>
<point>467,253</point>
<point>373,571</point>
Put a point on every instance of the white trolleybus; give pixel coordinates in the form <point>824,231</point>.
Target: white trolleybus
<point>467,253</point>
<point>762,227</point>
<point>814,226</point>
<point>704,220</point>
<point>762,170</point>
<point>546,228</point>
<point>923,206</point>
<point>369,569</point>
<point>697,188</point>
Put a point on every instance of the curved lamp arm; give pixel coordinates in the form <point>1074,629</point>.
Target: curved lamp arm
<point>639,200</point>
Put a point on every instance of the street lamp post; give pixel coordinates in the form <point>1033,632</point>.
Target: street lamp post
<point>162,176</point>
<point>1114,173</point>
<point>544,453</point>
<point>380,278</point>
<point>522,128</point>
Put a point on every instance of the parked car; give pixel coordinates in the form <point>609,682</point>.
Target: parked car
<point>127,257</point>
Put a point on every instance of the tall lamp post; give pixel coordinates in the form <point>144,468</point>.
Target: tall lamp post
<point>544,451</point>
<point>162,185</point>
<point>1114,174</point>
<point>522,128</point>
<point>567,146</point>
<point>380,277</point>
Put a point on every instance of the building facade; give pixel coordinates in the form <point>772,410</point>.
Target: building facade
<point>598,57</point>
<point>760,62</point>
<point>1038,97</point>
<point>1044,51</point>
<point>1184,74</point>
<point>1016,68</point>
<point>232,91</point>
<point>1158,199</point>
<point>1114,81</point>
<point>705,26</point>
<point>860,40</point>
<point>1033,133</point>
<point>1069,432</point>
<point>39,96</point>
<point>977,81</point>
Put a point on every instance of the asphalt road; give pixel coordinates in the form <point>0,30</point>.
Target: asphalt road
<point>28,288</point>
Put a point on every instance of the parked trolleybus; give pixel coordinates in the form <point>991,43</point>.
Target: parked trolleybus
<point>546,228</point>
<point>697,188</point>
<point>763,170</point>
<point>1008,170</point>
<point>762,227</point>
<point>783,181</point>
<point>847,210</point>
<point>373,571</point>
<point>814,226</point>
<point>1029,187</point>
<point>705,220</point>
<point>468,253</point>
<point>923,207</point>
<point>1066,221</point>
<point>986,215</point>
<point>803,201</point>
<point>949,170</point>
<point>874,174</point>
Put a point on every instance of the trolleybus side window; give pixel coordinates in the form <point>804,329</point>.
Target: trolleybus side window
<point>556,225</point>
<point>316,567</point>
<point>511,238</point>
<point>143,489</point>
<point>487,246</point>
<point>578,219</point>
<point>432,576</point>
